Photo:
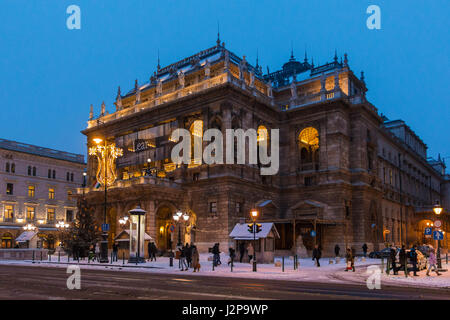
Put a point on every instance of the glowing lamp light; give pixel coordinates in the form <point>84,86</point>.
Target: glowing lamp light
<point>185,217</point>
<point>19,220</point>
<point>254,213</point>
<point>176,217</point>
<point>97,140</point>
<point>161,230</point>
<point>437,208</point>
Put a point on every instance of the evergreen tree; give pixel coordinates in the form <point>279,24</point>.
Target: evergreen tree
<point>83,233</point>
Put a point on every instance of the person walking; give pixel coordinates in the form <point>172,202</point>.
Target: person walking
<point>97,251</point>
<point>216,255</point>
<point>402,260</point>
<point>364,247</point>
<point>154,251</point>
<point>317,254</point>
<point>241,250</point>
<point>115,250</point>
<point>392,258</point>
<point>337,249</point>
<point>413,256</point>
<point>232,254</point>
<point>183,263</point>
<point>250,252</point>
<point>150,251</point>
<point>195,258</point>
<point>350,260</point>
<point>432,263</point>
<point>188,255</point>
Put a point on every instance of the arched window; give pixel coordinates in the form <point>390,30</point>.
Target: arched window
<point>67,176</point>
<point>54,174</point>
<point>29,170</point>
<point>13,167</point>
<point>308,141</point>
<point>196,130</point>
<point>71,177</point>
<point>34,171</point>
<point>262,133</point>
<point>7,167</point>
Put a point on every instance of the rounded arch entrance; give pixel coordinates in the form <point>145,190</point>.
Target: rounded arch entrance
<point>164,220</point>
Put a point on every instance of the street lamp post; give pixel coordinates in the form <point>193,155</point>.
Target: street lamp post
<point>254,215</point>
<point>437,210</point>
<point>61,226</point>
<point>106,155</point>
<point>177,217</point>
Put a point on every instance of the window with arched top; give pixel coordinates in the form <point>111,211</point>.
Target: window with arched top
<point>262,134</point>
<point>308,143</point>
<point>196,130</point>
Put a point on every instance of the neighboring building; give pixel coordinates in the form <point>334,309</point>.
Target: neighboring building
<point>37,187</point>
<point>345,172</point>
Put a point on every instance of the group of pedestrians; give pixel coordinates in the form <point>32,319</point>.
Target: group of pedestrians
<point>243,249</point>
<point>189,257</point>
<point>350,255</point>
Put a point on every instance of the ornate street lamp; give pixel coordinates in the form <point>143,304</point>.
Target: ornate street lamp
<point>254,215</point>
<point>29,227</point>
<point>438,210</point>
<point>106,155</point>
<point>137,232</point>
<point>61,226</point>
<point>177,217</point>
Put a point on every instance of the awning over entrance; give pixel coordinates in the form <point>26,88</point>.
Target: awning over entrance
<point>26,236</point>
<point>240,231</point>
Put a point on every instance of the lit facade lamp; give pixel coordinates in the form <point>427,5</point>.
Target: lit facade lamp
<point>137,232</point>
<point>438,210</point>
<point>29,227</point>
<point>106,175</point>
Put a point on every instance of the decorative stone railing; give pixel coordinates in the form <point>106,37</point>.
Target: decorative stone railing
<point>178,94</point>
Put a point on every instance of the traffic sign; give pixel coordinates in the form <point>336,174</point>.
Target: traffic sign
<point>438,223</point>
<point>428,231</point>
<point>438,235</point>
<point>313,233</point>
<point>105,227</point>
<point>171,228</point>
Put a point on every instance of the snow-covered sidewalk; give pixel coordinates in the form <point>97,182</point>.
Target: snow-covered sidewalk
<point>307,270</point>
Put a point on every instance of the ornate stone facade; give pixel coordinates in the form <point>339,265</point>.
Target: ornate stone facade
<point>331,157</point>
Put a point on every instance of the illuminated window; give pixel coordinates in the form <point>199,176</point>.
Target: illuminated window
<point>31,191</point>
<point>50,214</point>
<point>9,213</point>
<point>9,188</point>
<point>262,134</point>
<point>196,130</point>
<point>51,193</point>
<point>30,213</point>
<point>310,137</point>
<point>308,142</point>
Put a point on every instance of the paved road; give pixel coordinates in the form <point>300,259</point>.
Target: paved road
<point>40,282</point>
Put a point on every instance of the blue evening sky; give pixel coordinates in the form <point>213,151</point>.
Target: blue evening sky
<point>50,75</point>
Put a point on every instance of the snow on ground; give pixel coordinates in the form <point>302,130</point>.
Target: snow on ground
<point>307,270</point>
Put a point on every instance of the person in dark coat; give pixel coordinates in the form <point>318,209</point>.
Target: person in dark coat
<point>241,251</point>
<point>115,250</point>
<point>413,256</point>
<point>350,260</point>
<point>188,255</point>
<point>336,250</point>
<point>317,254</point>
<point>216,255</point>
<point>402,259</point>
<point>392,258</point>
<point>232,254</point>
<point>150,251</point>
<point>364,247</point>
<point>183,263</point>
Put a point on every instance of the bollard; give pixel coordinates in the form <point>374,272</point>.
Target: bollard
<point>388,264</point>
<point>282,263</point>
<point>50,258</point>
<point>446,258</point>
<point>33,256</point>
<point>111,257</point>
<point>59,256</point>
<point>41,255</point>
<point>123,257</point>
<point>406,268</point>
<point>170,261</point>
